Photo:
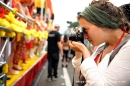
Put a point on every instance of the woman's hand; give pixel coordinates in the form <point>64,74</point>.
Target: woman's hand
<point>38,23</point>
<point>80,47</point>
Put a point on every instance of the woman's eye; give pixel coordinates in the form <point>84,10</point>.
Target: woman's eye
<point>84,30</point>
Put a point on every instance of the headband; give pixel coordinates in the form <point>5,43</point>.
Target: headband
<point>99,17</point>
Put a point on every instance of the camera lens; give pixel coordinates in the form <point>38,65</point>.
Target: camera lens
<point>73,37</point>
<point>76,36</point>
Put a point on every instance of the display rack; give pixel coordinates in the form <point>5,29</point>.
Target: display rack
<point>3,78</point>
<point>17,14</point>
<point>2,75</point>
<point>10,9</point>
<point>37,62</point>
<point>32,69</point>
<point>3,46</point>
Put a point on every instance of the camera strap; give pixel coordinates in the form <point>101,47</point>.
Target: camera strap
<point>118,48</point>
<point>74,73</point>
<point>73,78</point>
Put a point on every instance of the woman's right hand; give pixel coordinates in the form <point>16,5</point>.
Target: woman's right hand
<point>79,47</point>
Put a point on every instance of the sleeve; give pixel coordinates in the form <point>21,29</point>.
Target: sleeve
<point>76,64</point>
<point>117,73</point>
<point>48,35</point>
<point>58,37</point>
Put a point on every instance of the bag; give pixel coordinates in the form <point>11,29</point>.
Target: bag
<point>82,79</point>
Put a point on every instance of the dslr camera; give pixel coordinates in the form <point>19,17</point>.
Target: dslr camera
<point>77,35</point>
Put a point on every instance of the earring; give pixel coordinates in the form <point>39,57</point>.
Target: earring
<point>104,29</point>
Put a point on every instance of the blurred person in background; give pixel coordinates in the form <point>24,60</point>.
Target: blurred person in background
<point>18,47</point>
<point>65,44</point>
<point>54,46</point>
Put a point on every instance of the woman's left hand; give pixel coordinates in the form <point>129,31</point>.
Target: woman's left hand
<point>80,47</point>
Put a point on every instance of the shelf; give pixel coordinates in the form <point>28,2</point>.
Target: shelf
<point>32,62</point>
<point>4,28</point>
<point>17,14</point>
<point>10,9</point>
<point>7,29</point>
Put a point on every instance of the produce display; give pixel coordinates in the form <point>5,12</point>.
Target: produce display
<point>10,21</point>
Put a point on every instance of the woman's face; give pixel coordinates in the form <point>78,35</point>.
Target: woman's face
<point>93,33</point>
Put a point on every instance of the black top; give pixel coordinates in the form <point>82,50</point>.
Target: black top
<point>53,38</point>
<point>126,9</point>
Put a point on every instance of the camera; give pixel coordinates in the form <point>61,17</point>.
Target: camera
<point>77,35</point>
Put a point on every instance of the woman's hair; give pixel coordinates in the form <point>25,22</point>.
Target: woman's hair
<point>115,12</point>
<point>65,38</point>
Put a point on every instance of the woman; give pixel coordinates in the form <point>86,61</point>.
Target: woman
<point>65,44</point>
<point>18,50</point>
<point>105,25</point>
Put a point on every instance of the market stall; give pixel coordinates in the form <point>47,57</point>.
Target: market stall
<point>10,29</point>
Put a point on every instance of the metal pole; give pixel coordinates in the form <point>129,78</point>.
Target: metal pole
<point>7,50</point>
<point>10,9</point>
<point>42,5</point>
<point>45,11</point>
<point>3,47</point>
<point>10,3</point>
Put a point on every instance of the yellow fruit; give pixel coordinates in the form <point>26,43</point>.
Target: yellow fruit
<point>25,31</point>
<point>10,17</point>
<point>1,21</point>
<point>2,33</point>
<point>5,23</point>
<point>35,40</point>
<point>10,34</point>
<point>5,68</point>
<point>15,10</point>
<point>22,24</point>
<point>13,34</point>
<point>29,36</point>
<point>16,28</point>
<point>18,36</point>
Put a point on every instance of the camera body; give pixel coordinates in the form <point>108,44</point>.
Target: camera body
<point>76,36</point>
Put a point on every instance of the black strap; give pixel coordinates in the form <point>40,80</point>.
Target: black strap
<point>73,78</point>
<point>81,62</point>
<point>118,48</point>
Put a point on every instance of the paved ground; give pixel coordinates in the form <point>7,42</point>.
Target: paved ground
<point>63,80</point>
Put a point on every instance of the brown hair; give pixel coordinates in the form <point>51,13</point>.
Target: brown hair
<point>115,12</point>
